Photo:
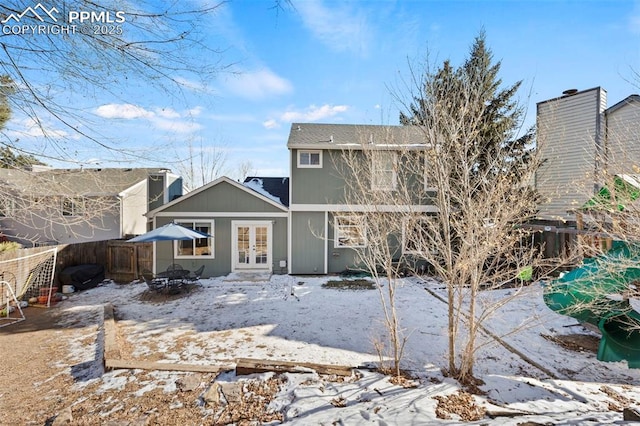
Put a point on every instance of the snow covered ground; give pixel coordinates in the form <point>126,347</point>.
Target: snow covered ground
<point>296,319</point>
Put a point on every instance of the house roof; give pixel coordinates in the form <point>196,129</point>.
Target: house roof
<point>626,101</point>
<point>571,93</point>
<point>75,182</point>
<point>275,188</point>
<point>353,136</point>
<point>232,182</point>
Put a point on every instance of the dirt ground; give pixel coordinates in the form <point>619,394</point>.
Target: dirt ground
<point>39,377</point>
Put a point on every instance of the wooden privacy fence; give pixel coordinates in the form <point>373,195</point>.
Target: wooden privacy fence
<point>122,261</point>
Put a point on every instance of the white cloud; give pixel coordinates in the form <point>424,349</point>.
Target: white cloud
<point>259,84</point>
<point>192,85</point>
<point>271,124</point>
<point>313,113</point>
<point>29,127</point>
<point>122,111</point>
<point>167,113</point>
<point>341,28</point>
<point>166,119</point>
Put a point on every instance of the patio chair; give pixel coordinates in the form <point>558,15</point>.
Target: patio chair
<point>194,276</point>
<point>152,282</point>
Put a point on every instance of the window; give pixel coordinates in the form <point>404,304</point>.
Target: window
<point>73,206</point>
<point>200,247</point>
<point>383,170</point>
<point>428,183</point>
<point>350,232</point>
<point>416,235</point>
<point>310,159</point>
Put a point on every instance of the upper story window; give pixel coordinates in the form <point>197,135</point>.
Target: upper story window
<point>310,159</point>
<point>73,206</point>
<point>383,170</point>
<point>428,182</point>
<point>350,232</point>
<point>200,247</point>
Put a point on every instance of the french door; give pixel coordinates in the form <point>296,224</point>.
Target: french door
<point>251,245</point>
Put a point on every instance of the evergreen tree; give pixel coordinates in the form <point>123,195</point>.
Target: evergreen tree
<point>500,114</point>
<point>8,159</point>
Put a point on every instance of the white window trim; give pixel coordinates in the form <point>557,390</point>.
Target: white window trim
<point>212,238</point>
<point>427,186</point>
<point>77,206</point>
<point>336,231</point>
<point>310,166</point>
<point>394,178</point>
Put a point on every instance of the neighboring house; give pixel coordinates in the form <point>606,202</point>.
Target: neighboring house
<point>248,224</point>
<point>324,226</point>
<point>58,206</point>
<point>582,141</point>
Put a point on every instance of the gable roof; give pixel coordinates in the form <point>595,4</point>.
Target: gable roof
<point>353,136</point>
<point>626,101</point>
<point>75,182</point>
<point>276,188</point>
<point>203,188</point>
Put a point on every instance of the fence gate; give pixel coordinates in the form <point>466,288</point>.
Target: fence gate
<point>125,261</point>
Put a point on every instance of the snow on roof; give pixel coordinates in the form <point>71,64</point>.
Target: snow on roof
<point>274,188</point>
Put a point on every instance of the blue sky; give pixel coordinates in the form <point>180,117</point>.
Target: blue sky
<point>343,62</point>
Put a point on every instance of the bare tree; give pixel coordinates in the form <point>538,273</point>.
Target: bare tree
<point>474,241</point>
<point>246,169</point>
<point>203,165</point>
<point>116,45</point>
<point>379,194</point>
<point>450,201</point>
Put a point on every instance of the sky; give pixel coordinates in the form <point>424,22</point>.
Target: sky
<point>347,62</point>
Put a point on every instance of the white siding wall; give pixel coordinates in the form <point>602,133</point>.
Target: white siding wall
<point>567,137</point>
<point>134,206</point>
<point>623,140</point>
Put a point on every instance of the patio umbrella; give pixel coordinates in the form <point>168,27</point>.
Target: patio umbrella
<point>169,232</point>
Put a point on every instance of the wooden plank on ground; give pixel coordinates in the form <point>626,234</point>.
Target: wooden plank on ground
<point>250,366</point>
<point>164,366</point>
<point>111,348</point>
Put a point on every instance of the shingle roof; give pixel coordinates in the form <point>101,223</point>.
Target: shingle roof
<point>276,188</point>
<point>75,182</point>
<point>327,136</point>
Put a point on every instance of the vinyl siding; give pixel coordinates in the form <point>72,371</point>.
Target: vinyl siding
<point>568,138</point>
<point>223,197</point>
<point>623,140</point>
<point>223,249</point>
<point>307,242</point>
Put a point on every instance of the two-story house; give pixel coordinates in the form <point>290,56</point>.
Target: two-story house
<point>44,206</point>
<point>324,214</point>
<point>306,224</point>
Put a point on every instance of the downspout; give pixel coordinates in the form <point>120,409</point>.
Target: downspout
<point>599,157</point>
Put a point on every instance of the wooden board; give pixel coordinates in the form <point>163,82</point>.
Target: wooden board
<point>250,366</point>
<point>164,366</point>
<point>111,348</point>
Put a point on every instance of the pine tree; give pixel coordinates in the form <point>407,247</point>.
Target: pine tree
<point>500,114</point>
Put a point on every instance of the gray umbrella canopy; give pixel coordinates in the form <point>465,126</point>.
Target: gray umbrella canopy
<point>169,232</point>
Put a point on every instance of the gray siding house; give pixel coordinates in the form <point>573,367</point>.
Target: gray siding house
<point>247,223</point>
<point>45,206</point>
<point>582,141</point>
<point>324,229</point>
